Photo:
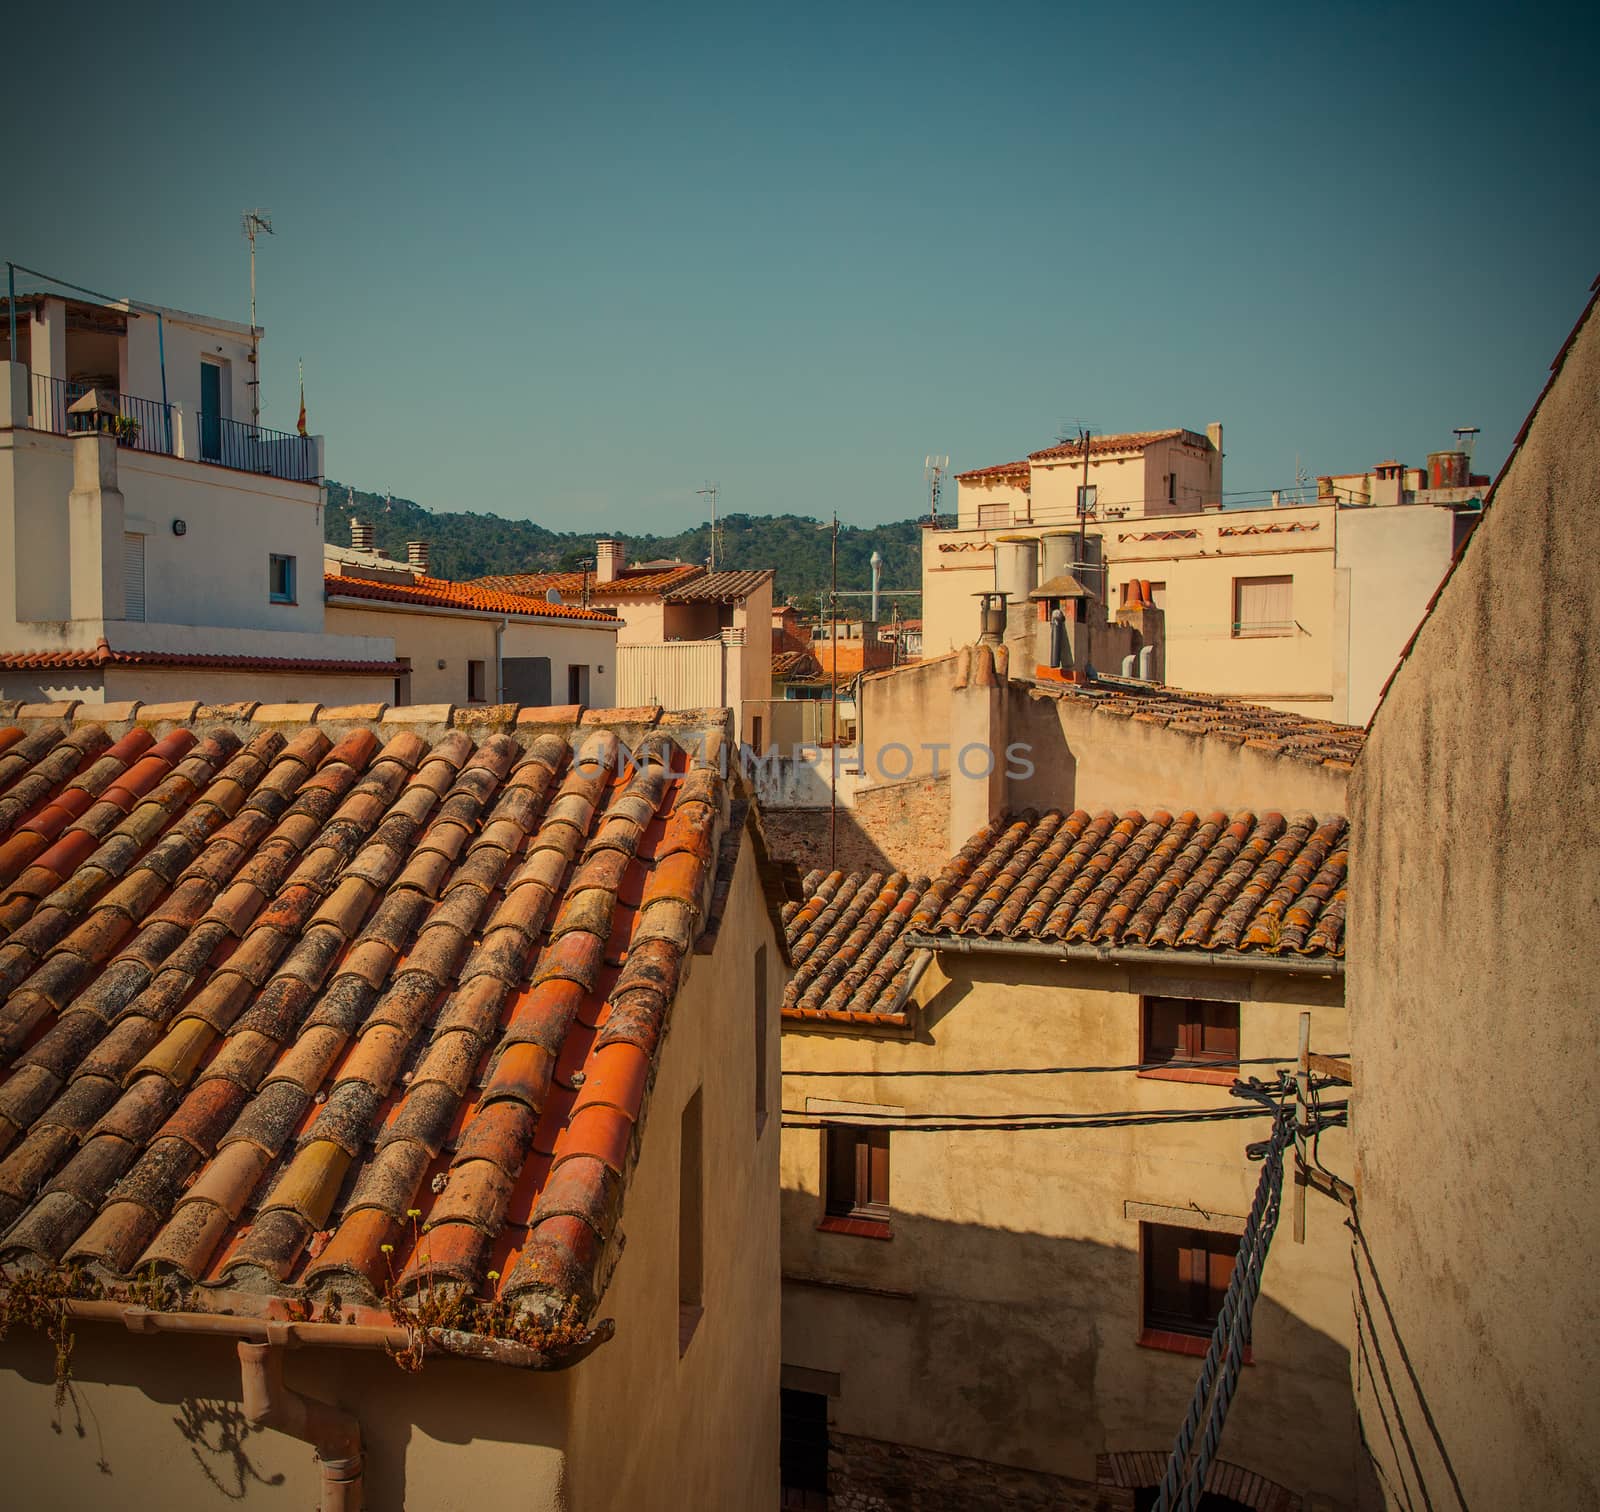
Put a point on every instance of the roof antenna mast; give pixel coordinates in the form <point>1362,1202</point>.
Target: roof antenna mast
<point>254,223</point>
<point>712,489</point>
<point>933,471</point>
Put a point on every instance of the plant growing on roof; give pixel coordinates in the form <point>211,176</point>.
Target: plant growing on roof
<point>126,430</point>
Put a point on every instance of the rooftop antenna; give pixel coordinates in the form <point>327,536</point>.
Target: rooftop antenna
<point>712,489</point>
<point>933,471</point>
<point>255,223</point>
<point>1466,439</point>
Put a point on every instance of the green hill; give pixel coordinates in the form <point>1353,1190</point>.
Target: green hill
<point>469,545</point>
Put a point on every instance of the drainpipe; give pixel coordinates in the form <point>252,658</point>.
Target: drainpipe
<point>332,1432</point>
<point>499,660</point>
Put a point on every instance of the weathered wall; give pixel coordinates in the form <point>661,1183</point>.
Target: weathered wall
<point>1001,1321</point>
<point>1473,996</point>
<point>155,1423</point>
<point>1394,559</point>
<point>650,1430</point>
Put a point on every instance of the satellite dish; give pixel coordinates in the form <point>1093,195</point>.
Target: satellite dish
<point>552,595</point>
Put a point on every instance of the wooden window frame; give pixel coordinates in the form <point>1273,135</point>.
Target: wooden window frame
<point>1190,1045</point>
<point>855,1158</point>
<point>1185,1329</point>
<point>477,680</point>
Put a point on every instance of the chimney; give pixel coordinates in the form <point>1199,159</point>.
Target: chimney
<point>417,556</point>
<point>1214,435</point>
<point>610,557</point>
<point>978,756</point>
<point>360,535</point>
<point>1388,484</point>
<point>95,517</point>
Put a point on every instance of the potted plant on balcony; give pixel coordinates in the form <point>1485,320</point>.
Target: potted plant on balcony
<point>127,430</point>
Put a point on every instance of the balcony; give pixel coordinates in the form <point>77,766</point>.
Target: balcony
<point>148,425</point>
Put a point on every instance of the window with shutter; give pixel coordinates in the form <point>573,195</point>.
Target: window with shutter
<point>857,1175</point>
<point>1263,606</point>
<point>133,577</point>
<point>1190,1029</point>
<point>1186,1274</point>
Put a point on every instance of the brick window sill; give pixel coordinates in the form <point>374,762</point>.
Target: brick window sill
<point>1196,1074</point>
<point>858,1228</point>
<point>1194,1345</point>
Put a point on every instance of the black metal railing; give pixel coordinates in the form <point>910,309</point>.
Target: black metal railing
<point>144,424</point>
<point>254,448</point>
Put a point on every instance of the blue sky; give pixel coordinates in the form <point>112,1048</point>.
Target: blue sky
<point>570,263</point>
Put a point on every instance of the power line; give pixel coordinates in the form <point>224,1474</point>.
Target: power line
<point>1173,1065</point>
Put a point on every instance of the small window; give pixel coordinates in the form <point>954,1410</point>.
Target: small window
<point>1172,488</point>
<point>402,684</point>
<point>1158,595</point>
<point>993,516</point>
<point>132,576</point>
<point>1186,1273</point>
<point>1088,496</point>
<point>475,680</point>
<point>763,1036</point>
<point>1263,606</point>
<point>280,579</point>
<point>578,685</point>
<point>1191,1029</point>
<point>858,1173</point>
<point>691,1223</point>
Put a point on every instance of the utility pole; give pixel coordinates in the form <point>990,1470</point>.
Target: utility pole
<point>833,676</point>
<point>712,488</point>
<point>256,222</point>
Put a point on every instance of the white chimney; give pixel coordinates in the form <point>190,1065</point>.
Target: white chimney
<point>360,535</point>
<point>417,556</point>
<point>610,557</point>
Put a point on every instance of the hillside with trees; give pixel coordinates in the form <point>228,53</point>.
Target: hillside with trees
<point>468,545</point>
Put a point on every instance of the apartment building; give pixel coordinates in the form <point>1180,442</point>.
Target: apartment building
<point>155,541</point>
<point>1004,1245</point>
<point>1301,604</point>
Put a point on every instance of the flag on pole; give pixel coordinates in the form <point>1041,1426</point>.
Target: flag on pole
<point>301,427</point>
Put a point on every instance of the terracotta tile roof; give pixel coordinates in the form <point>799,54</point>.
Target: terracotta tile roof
<point>284,1015</point>
<point>1001,472</point>
<point>1245,883</point>
<point>102,655</point>
<point>1298,737</point>
<point>720,587</point>
<point>787,664</point>
<point>1127,441</point>
<point>445,594</point>
<point>633,583</point>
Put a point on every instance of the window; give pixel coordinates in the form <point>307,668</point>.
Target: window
<point>1088,494</point>
<point>803,1450</point>
<point>1186,1275</point>
<point>1263,606</point>
<point>280,579</point>
<point>132,577</point>
<point>856,1196</point>
<point>578,685</point>
<point>756,744</point>
<point>1158,595</point>
<point>402,684</point>
<point>993,516</point>
<point>691,1223</point>
<point>475,682</point>
<point>763,1035</point>
<point>1172,488</point>
<point>1190,1029</point>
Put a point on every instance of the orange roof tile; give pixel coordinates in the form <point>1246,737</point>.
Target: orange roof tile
<point>284,1016</point>
<point>633,583</point>
<point>443,593</point>
<point>1245,883</point>
<point>103,655</point>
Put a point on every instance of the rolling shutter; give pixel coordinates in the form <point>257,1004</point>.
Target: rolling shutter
<point>133,577</point>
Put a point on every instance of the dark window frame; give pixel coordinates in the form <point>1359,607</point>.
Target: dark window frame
<point>856,1158</point>
<point>1207,1030</point>
<point>1184,1275</point>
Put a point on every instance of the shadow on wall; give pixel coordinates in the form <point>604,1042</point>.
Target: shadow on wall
<point>148,1422</point>
<point>1021,1349</point>
<point>801,838</point>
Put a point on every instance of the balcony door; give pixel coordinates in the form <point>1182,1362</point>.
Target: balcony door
<point>211,411</point>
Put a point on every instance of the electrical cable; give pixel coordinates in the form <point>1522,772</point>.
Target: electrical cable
<point>1169,1065</point>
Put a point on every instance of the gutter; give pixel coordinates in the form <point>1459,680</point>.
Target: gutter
<point>919,968</point>
<point>1130,955</point>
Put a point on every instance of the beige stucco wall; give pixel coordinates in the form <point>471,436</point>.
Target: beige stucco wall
<point>154,685</point>
<point>1012,1334</point>
<point>1473,997</point>
<point>154,1423</point>
<point>1354,607</point>
<point>428,639</point>
<point>651,1430</point>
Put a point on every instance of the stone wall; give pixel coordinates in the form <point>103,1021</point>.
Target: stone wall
<point>866,1475</point>
<point>901,826</point>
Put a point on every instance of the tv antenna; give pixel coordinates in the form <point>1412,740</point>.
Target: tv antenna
<point>933,470</point>
<point>712,489</point>
<point>255,223</point>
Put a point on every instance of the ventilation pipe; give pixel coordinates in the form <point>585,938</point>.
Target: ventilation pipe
<point>332,1432</point>
<point>877,577</point>
<point>1147,663</point>
<point>417,555</point>
<point>1128,663</point>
